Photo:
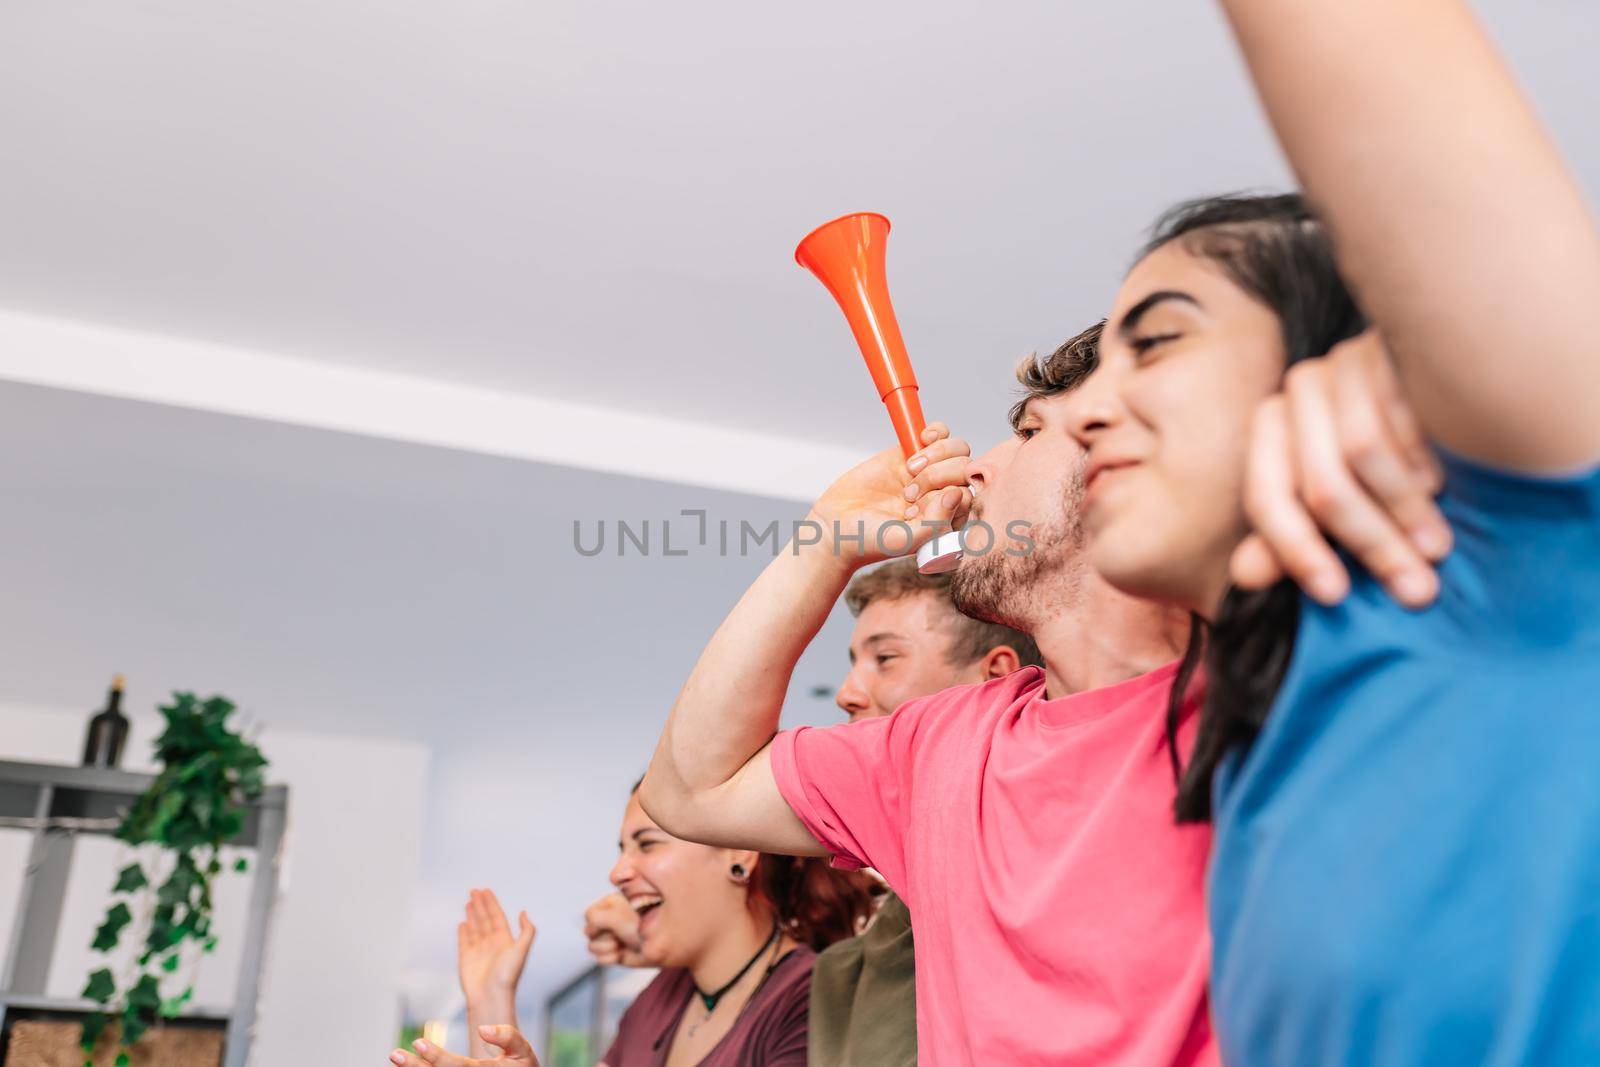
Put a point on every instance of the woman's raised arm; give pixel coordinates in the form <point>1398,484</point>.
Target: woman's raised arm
<point>1455,222</point>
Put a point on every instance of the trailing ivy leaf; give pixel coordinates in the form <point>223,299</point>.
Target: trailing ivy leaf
<point>105,938</point>
<point>164,933</point>
<point>201,808</point>
<point>162,938</point>
<point>131,878</point>
<point>170,964</point>
<point>173,1005</point>
<point>228,824</point>
<point>133,1027</point>
<point>93,1026</point>
<point>241,865</point>
<point>167,809</point>
<point>102,987</point>
<point>145,993</point>
<point>132,1031</point>
<point>203,764</point>
<point>139,1012</point>
<point>211,944</point>
<point>123,1060</point>
<point>178,886</point>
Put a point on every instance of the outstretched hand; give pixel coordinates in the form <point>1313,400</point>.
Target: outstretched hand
<point>1339,456</point>
<point>489,956</point>
<point>514,1051</point>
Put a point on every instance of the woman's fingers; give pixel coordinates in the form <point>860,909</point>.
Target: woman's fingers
<point>1341,457</point>
<point>431,1054</point>
<point>526,932</point>
<point>1369,356</point>
<point>478,914</point>
<point>1253,566</point>
<point>509,1040</point>
<point>1272,503</point>
<point>497,914</point>
<point>1342,506</point>
<point>605,949</point>
<point>1384,443</point>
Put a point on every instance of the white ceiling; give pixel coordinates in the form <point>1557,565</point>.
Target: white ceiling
<point>599,200</point>
<point>329,582</point>
<point>556,202</point>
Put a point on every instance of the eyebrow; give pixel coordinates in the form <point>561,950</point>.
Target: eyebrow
<point>1130,321</point>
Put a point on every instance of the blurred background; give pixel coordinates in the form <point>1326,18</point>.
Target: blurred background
<point>333,334</point>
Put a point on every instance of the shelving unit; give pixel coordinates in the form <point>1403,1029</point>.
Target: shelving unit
<point>580,1018</point>
<point>42,792</point>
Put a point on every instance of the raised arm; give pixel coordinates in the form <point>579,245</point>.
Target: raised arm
<point>710,779</point>
<point>1464,237</point>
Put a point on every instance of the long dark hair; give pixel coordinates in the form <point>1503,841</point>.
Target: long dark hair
<point>1276,250</point>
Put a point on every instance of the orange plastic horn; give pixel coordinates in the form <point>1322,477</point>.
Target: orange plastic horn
<point>847,255</point>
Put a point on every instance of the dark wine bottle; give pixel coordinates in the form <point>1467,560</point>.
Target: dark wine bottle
<point>108,730</point>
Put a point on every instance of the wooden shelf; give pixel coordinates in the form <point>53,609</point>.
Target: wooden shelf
<point>79,1006</point>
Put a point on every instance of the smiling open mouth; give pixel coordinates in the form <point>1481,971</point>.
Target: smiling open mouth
<point>1100,474</point>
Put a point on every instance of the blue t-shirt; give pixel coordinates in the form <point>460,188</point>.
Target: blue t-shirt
<point>1406,868</point>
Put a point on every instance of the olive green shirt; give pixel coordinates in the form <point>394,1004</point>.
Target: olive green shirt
<point>864,996</point>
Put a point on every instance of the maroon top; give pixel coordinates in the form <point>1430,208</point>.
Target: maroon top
<point>770,1031</point>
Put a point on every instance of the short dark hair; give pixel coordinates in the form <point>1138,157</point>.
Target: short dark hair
<point>1061,371</point>
<point>970,638</point>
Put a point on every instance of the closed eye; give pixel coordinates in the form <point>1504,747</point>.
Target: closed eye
<point>1142,345</point>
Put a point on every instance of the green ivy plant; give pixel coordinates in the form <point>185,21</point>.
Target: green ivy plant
<point>195,806</point>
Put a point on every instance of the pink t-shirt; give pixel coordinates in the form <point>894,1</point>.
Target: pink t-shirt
<point>1058,910</point>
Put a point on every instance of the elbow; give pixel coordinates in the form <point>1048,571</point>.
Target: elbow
<point>666,803</point>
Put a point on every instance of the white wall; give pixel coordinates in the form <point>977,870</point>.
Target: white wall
<point>332,983</point>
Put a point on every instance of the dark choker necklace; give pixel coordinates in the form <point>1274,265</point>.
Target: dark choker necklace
<point>710,999</point>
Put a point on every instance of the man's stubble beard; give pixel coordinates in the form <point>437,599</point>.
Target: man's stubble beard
<point>1021,591</point>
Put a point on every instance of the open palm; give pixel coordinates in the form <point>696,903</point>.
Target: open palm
<point>489,956</point>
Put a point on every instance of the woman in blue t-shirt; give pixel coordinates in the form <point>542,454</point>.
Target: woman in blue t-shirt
<point>1406,866</point>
